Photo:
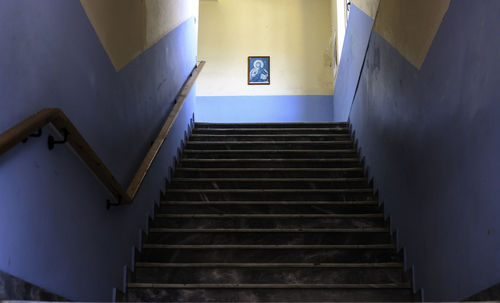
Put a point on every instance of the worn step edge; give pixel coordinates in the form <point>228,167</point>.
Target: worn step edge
<point>201,190</point>
<point>270,151</point>
<point>200,124</point>
<point>269,135</point>
<point>346,169</point>
<point>357,160</point>
<point>257,179</point>
<point>266,142</point>
<point>288,246</point>
<point>269,230</point>
<point>268,265</point>
<point>312,203</point>
<point>274,286</point>
<point>270,216</point>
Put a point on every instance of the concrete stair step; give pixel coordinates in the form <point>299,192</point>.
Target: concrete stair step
<point>269,273</point>
<point>272,131</point>
<point>269,207</point>
<point>270,154</point>
<point>269,137</point>
<point>292,125</point>
<point>352,163</point>
<point>267,183</point>
<point>270,292</point>
<point>184,172</point>
<point>345,194</point>
<point>273,236</point>
<point>380,253</point>
<point>268,145</point>
<point>170,221</point>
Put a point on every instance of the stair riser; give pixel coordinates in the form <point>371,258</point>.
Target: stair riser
<point>196,145</point>
<point>272,131</point>
<point>271,138</point>
<point>265,184</point>
<point>192,275</point>
<point>272,209</point>
<point>267,174</point>
<point>267,154</point>
<point>270,295</point>
<point>267,223</point>
<point>214,255</point>
<point>267,196</point>
<point>259,238</point>
<point>266,126</point>
<point>280,163</point>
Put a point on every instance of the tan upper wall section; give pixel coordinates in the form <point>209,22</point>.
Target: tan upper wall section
<point>410,25</point>
<point>297,34</point>
<point>126,28</point>
<point>369,7</point>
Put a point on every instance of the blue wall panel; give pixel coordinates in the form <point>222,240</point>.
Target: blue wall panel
<point>55,230</point>
<point>431,142</point>
<point>356,40</point>
<point>242,109</point>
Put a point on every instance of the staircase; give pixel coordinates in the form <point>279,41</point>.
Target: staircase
<point>270,213</point>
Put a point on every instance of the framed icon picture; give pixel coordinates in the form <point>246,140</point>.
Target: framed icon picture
<point>259,70</point>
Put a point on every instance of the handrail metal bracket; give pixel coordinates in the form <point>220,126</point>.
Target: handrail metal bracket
<point>51,141</point>
<point>38,134</point>
<point>109,204</point>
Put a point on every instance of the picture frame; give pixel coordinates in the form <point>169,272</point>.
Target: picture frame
<point>259,70</point>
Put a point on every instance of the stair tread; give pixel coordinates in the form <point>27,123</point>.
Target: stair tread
<point>270,150</point>
<point>343,190</point>
<point>340,203</point>
<point>203,169</point>
<point>274,216</point>
<point>306,286</point>
<point>272,160</point>
<point>269,142</point>
<point>271,135</point>
<point>271,246</point>
<point>270,265</point>
<point>268,179</point>
<point>269,230</point>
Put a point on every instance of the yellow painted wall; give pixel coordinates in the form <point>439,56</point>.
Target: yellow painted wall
<point>410,25</point>
<point>295,33</point>
<point>369,7</point>
<point>126,28</point>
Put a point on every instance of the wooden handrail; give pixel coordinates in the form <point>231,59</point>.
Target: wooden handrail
<point>61,122</point>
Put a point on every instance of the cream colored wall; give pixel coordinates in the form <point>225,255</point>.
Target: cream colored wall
<point>126,28</point>
<point>410,26</point>
<point>369,7</point>
<point>295,33</point>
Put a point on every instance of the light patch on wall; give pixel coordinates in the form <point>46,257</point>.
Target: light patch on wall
<point>410,26</point>
<point>369,7</point>
<point>295,33</point>
<point>126,28</point>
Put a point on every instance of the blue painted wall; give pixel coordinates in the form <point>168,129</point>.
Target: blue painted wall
<point>54,228</point>
<point>356,40</point>
<point>431,142</point>
<point>243,109</point>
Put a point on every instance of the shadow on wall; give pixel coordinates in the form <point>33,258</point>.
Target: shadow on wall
<point>56,232</point>
<point>430,138</point>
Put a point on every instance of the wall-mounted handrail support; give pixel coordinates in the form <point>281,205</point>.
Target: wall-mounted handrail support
<point>72,136</point>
